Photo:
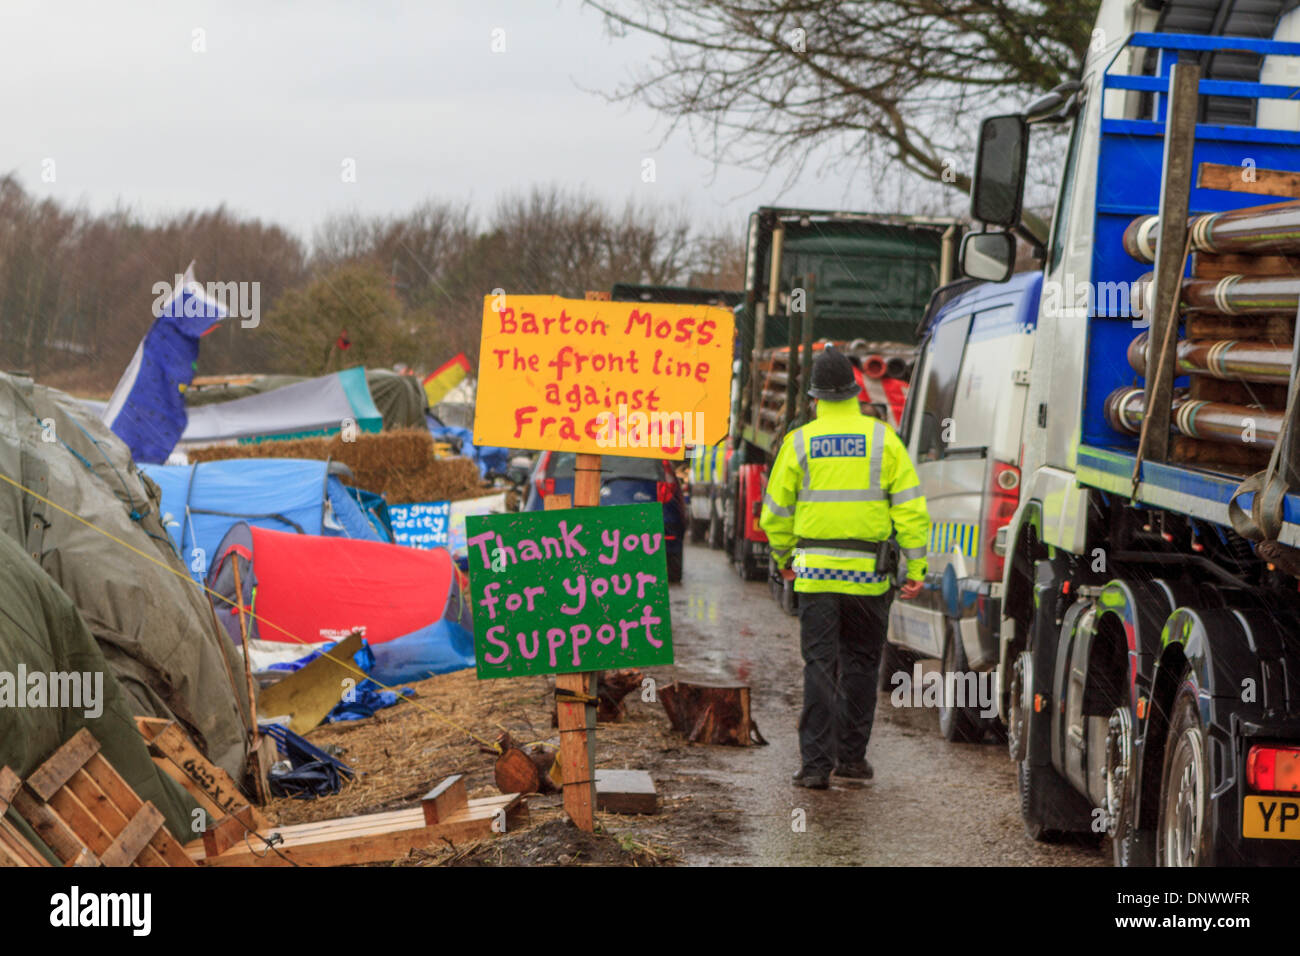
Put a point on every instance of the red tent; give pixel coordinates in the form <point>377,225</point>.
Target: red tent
<point>307,590</point>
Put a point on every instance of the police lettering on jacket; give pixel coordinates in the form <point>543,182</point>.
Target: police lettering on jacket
<point>838,446</point>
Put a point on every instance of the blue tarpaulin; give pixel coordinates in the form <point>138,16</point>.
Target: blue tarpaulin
<point>147,410</point>
<point>283,494</point>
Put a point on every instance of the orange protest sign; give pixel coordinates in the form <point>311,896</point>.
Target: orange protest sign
<point>604,378</point>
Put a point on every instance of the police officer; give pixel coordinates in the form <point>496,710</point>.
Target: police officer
<point>840,486</point>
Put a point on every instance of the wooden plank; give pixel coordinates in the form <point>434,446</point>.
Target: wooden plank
<point>81,821</point>
<point>10,783</point>
<point>53,832</point>
<point>17,849</point>
<point>1240,179</point>
<point>557,502</point>
<point>445,800</point>
<point>65,761</point>
<point>134,838</point>
<point>222,793</point>
<point>352,845</point>
<point>109,815</point>
<point>1206,266</point>
<point>213,811</point>
<point>1175,183</point>
<point>231,830</point>
<point>626,791</point>
<point>307,695</point>
<point>129,802</point>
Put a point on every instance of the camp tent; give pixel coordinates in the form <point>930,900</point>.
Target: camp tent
<point>202,501</point>
<point>306,591</point>
<point>98,534</point>
<point>42,633</point>
<point>399,398</point>
<point>317,406</point>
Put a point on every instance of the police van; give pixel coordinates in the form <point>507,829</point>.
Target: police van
<point>961,425</point>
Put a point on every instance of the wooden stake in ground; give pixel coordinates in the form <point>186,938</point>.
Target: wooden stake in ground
<point>260,768</point>
<point>575,694</point>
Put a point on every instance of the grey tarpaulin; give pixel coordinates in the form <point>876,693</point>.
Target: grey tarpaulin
<point>155,627</point>
<point>41,632</point>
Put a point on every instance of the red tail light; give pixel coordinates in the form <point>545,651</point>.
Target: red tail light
<point>664,491</point>
<point>545,486</point>
<point>1273,768</point>
<point>1003,497</point>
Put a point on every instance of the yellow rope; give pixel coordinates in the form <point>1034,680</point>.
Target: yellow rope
<point>348,664</point>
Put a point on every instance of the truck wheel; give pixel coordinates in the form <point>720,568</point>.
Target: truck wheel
<point>893,660</point>
<point>1184,836</point>
<point>715,532</point>
<point>699,527</point>
<point>1129,846</point>
<point>745,560</point>
<point>957,724</point>
<point>1029,780</point>
<point>675,565</point>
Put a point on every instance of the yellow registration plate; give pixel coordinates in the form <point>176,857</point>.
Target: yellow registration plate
<point>1271,818</point>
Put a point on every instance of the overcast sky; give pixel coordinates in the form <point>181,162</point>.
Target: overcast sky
<point>283,93</point>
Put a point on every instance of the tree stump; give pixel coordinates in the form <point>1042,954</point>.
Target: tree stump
<point>520,770</point>
<point>711,713</point>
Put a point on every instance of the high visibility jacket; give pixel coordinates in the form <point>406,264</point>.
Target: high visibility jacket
<point>839,486</point>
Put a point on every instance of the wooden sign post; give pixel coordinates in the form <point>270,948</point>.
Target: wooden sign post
<point>577,717</point>
<point>590,377</point>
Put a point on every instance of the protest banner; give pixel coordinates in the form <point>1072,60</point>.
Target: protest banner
<point>423,524</point>
<point>600,377</point>
<point>569,590</point>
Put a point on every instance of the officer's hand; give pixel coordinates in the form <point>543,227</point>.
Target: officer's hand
<point>910,590</point>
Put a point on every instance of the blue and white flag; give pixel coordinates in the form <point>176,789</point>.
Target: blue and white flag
<point>147,410</point>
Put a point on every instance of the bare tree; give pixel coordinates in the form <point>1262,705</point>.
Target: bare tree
<point>765,82</point>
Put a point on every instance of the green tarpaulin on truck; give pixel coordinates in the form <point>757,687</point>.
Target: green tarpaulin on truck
<point>154,625</point>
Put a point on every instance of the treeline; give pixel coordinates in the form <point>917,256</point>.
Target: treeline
<point>77,288</point>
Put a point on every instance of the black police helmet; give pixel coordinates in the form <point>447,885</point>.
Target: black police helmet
<point>832,377</point>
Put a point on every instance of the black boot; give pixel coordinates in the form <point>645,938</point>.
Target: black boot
<point>855,771</point>
<point>812,781</point>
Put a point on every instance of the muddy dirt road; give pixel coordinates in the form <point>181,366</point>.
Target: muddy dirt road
<point>932,803</point>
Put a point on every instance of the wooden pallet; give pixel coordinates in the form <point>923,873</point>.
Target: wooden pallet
<point>14,848</point>
<point>211,787</point>
<point>445,815</point>
<point>88,815</point>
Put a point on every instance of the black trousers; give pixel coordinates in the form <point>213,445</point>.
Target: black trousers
<point>841,636</point>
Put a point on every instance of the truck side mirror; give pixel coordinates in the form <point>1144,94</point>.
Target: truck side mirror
<point>990,256</point>
<point>999,185</point>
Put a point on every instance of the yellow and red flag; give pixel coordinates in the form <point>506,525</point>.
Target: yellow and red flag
<point>445,377</point>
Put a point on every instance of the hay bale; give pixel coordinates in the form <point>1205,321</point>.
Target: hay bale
<point>400,464</point>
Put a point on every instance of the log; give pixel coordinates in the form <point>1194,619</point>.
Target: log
<point>612,687</point>
<point>710,713</point>
<point>523,770</point>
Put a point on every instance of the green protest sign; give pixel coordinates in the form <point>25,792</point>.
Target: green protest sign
<point>580,589</point>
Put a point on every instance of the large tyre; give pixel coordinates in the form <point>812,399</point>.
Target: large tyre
<point>893,659</point>
<point>745,559</point>
<point>1028,780</point>
<point>715,532</point>
<point>1184,836</point>
<point>675,559</point>
<point>957,724</point>
<point>1129,846</point>
<point>699,528</point>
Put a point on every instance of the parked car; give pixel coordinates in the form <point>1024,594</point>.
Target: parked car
<point>623,481</point>
<point>962,427</point>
